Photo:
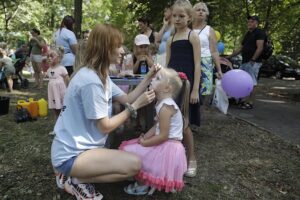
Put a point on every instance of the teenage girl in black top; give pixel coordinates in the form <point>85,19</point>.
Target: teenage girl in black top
<point>183,55</point>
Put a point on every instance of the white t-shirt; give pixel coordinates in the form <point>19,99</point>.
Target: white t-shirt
<point>176,122</point>
<point>204,41</point>
<point>65,38</point>
<point>86,100</point>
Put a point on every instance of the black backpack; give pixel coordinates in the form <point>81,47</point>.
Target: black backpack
<point>268,48</point>
<point>22,115</point>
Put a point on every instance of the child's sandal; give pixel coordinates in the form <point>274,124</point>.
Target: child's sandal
<point>192,169</point>
<point>135,189</point>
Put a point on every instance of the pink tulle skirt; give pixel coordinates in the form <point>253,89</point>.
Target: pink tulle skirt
<point>163,166</point>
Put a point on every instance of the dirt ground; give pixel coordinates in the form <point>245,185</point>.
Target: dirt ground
<point>236,161</point>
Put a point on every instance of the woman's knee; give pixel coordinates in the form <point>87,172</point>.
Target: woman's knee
<point>134,164</point>
<point>36,67</point>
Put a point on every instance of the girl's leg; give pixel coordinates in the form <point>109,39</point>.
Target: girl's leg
<point>188,140</point>
<point>205,102</point>
<point>105,165</point>
<point>56,113</point>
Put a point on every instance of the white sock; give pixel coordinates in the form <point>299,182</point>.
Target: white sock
<point>75,180</point>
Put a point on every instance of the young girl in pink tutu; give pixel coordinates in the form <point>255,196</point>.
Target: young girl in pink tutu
<point>160,149</point>
<point>58,80</point>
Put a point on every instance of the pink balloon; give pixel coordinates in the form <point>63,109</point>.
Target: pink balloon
<point>237,83</point>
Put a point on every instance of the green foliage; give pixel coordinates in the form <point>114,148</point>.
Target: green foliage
<point>43,15</point>
<point>279,18</point>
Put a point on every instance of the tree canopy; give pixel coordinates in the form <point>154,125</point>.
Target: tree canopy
<point>280,18</point>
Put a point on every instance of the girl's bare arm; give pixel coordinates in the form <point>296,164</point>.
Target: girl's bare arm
<point>194,39</point>
<point>66,79</point>
<point>168,51</point>
<point>165,114</point>
<point>150,132</point>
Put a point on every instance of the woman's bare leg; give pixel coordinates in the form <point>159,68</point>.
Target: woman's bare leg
<point>10,83</point>
<point>105,165</point>
<point>37,67</point>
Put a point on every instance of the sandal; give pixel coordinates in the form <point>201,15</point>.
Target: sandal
<point>135,189</point>
<point>246,106</point>
<point>192,169</point>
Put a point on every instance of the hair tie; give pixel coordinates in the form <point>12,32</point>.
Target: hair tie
<point>182,76</point>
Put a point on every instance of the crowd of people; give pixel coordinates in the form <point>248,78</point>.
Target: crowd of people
<point>177,63</point>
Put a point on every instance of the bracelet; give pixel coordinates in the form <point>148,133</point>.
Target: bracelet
<point>133,112</point>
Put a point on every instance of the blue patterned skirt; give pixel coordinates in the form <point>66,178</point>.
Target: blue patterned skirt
<point>206,75</point>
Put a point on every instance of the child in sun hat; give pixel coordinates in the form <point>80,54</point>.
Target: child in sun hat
<point>142,59</point>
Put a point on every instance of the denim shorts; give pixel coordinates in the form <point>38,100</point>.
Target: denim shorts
<point>252,70</point>
<point>66,167</point>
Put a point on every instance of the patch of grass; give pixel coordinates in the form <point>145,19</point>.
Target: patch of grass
<point>235,161</point>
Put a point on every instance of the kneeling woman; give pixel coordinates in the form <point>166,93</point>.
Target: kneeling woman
<point>85,121</point>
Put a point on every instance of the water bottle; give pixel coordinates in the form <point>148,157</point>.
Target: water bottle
<point>143,67</point>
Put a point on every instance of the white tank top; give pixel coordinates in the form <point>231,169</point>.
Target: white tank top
<point>204,41</point>
<point>176,123</point>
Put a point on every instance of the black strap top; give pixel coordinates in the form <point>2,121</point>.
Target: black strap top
<point>182,57</point>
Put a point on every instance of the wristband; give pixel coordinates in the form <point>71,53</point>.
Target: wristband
<point>133,112</point>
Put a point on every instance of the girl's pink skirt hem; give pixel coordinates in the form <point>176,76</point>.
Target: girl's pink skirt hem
<point>163,166</point>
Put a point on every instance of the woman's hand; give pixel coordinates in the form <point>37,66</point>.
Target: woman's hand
<point>194,97</point>
<point>144,99</point>
<point>153,70</point>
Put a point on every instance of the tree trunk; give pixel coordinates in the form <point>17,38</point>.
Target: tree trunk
<point>247,8</point>
<point>5,21</point>
<point>78,17</point>
<point>8,16</point>
<point>267,23</point>
<point>52,15</point>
